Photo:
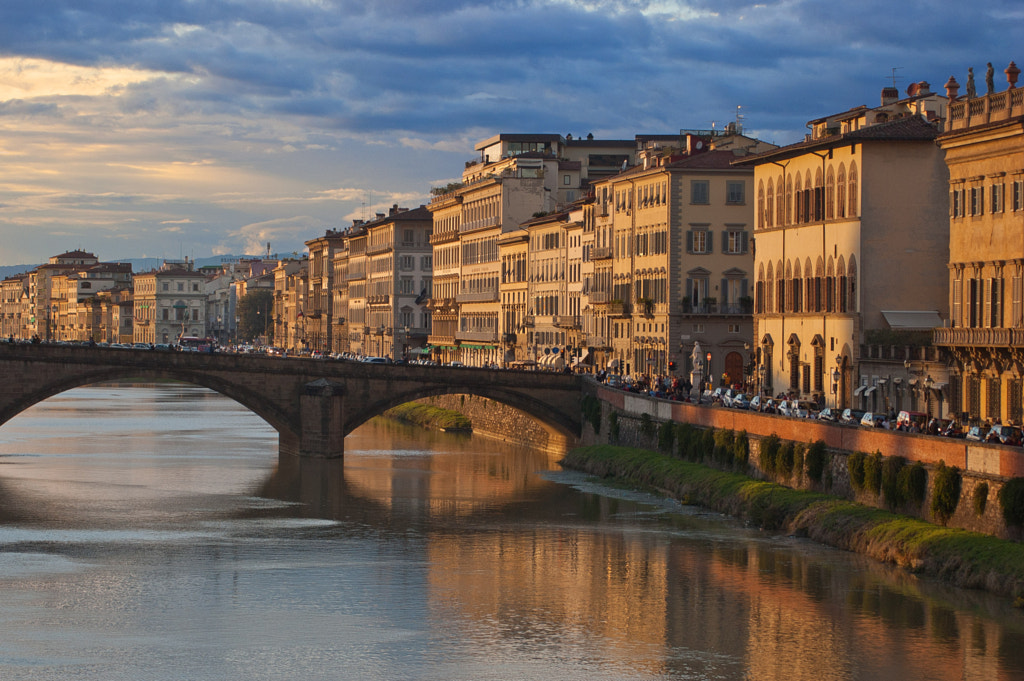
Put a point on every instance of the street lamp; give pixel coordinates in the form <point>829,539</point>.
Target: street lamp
<point>928,383</point>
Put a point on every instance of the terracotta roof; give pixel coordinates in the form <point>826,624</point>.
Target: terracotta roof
<point>909,128</point>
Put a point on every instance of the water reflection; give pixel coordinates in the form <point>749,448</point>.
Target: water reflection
<point>166,534</point>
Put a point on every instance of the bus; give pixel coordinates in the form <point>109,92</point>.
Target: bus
<point>197,344</point>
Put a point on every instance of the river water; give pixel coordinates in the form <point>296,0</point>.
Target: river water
<point>150,533</point>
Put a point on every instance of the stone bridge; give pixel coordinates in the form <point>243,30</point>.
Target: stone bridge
<point>313,404</point>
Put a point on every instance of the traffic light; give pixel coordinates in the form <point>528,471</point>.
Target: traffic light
<point>671,366</point>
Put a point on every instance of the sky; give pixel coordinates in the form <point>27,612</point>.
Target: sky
<point>172,128</point>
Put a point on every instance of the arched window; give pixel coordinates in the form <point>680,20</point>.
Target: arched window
<point>852,191</point>
<point>780,288</point>
<point>759,290</point>
<point>789,288</point>
<point>851,284</point>
<point>808,198</point>
<point>830,286</point>
<point>808,301</point>
<point>769,211</point>
<point>819,277</point>
<point>799,195</point>
<point>780,202</point>
<point>789,200</point>
<point>841,192</point>
<point>798,289</point>
<point>760,206</point>
<point>769,285</point>
<point>841,285</point>
<point>819,195</point>
<point>830,194</point>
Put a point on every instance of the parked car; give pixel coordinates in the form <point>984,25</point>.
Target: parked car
<point>906,420</point>
<point>872,419</point>
<point>1005,435</point>
<point>829,414</point>
<point>798,408</point>
<point>740,401</point>
<point>976,433</point>
<point>376,360</point>
<point>851,417</point>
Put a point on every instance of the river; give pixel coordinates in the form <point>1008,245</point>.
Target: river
<point>150,533</point>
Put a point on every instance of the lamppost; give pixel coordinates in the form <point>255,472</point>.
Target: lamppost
<point>837,379</point>
<point>928,383</point>
<point>760,386</point>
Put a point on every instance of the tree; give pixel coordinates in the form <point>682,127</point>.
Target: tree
<point>254,311</point>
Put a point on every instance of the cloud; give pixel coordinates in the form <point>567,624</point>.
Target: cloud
<point>120,118</point>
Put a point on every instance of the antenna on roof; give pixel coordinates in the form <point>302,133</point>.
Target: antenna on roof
<point>894,70</point>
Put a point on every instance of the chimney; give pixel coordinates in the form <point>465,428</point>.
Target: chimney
<point>890,95</point>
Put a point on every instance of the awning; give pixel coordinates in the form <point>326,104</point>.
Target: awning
<point>882,381</point>
<point>912,319</point>
<point>939,386</point>
<point>859,391</point>
<point>614,364</point>
<point>897,381</point>
<point>870,390</point>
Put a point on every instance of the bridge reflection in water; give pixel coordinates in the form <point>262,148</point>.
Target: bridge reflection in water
<point>684,595</point>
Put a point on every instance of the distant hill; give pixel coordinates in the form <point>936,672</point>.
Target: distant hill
<point>138,264</point>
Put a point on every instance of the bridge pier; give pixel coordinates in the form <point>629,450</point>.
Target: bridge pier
<point>322,427</point>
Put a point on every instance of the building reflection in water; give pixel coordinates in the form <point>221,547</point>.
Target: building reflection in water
<point>523,558</point>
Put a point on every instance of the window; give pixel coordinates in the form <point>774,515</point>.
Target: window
<point>996,200</point>
<point>956,202</point>
<point>167,286</point>
<point>426,262</point>
<point>181,286</point>
<point>567,180</point>
<point>699,191</point>
<point>734,193</point>
<point>195,288</point>
<point>406,262</point>
<point>734,241</point>
<point>977,200</point>
<point>405,285</point>
<point>1018,195</point>
<point>734,328</point>
<point>697,241</point>
<point>698,328</point>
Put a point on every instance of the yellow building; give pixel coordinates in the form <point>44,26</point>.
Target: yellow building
<point>984,145</point>
<point>851,236</point>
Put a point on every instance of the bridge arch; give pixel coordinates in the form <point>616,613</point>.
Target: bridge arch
<point>312,404</point>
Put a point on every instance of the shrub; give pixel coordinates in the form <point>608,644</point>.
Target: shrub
<point>784,460</point>
<point>873,472</point>
<point>768,451</point>
<point>724,441</point>
<point>613,426</point>
<point>855,464</point>
<point>798,460</point>
<point>891,468</point>
<point>707,444</point>
<point>592,412</point>
<point>647,426</point>
<point>666,438</point>
<point>913,483</point>
<point>980,498</point>
<point>945,492</point>
<point>685,434</point>
<point>741,449</point>
<point>1011,499</point>
<point>817,455</point>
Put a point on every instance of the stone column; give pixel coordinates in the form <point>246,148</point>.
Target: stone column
<point>321,410</point>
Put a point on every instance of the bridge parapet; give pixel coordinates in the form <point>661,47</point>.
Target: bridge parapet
<point>313,404</point>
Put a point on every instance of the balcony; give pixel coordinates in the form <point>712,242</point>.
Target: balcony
<point>990,108</point>
<point>1000,337</point>
<point>567,321</point>
<point>528,321</point>
<point>482,223</point>
<point>617,308</point>
<point>488,296</point>
<point>600,297</point>
<point>602,253</point>
<point>714,308</point>
<point>378,300</point>
<point>490,337</point>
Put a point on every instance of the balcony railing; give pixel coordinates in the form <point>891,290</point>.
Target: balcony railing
<point>618,309</point>
<point>602,253</point>
<point>477,336</point>
<point>600,297</point>
<point>979,337</point>
<point>528,321</point>
<point>378,300</point>
<point>487,296</point>
<point>998,106</point>
<point>567,321</point>
<point>718,308</point>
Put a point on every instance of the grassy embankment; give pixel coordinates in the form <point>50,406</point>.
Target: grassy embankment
<point>430,417</point>
<point>966,559</point>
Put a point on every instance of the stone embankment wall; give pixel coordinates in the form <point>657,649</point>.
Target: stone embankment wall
<point>978,463</point>
<point>500,422</point>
